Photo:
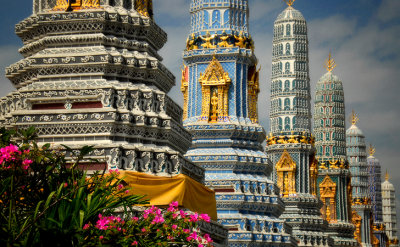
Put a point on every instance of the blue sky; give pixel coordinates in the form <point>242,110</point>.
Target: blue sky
<point>363,36</point>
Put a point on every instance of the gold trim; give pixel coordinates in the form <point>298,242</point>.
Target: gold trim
<point>184,90</point>
<point>254,90</point>
<point>286,172</point>
<point>314,175</point>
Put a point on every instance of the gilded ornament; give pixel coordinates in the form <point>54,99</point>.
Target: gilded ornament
<point>185,91</point>
<point>224,40</point>
<point>286,172</point>
<point>354,118</point>
<point>253,91</point>
<point>289,2</point>
<point>69,5</point>
<point>356,220</point>
<point>314,175</point>
<point>215,78</point>
<point>240,40</point>
<point>144,7</point>
<point>371,150</point>
<point>330,63</point>
<point>328,193</point>
<point>207,41</point>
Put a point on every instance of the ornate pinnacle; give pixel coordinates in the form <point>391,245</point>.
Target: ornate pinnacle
<point>354,118</point>
<point>387,176</point>
<point>330,63</point>
<point>289,2</point>
<point>372,150</point>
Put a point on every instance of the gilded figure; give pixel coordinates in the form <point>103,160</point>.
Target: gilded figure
<point>207,41</point>
<point>224,40</point>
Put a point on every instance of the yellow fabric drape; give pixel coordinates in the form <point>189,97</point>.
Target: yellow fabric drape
<point>161,191</point>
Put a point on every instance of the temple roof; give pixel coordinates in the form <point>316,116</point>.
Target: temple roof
<point>354,131</point>
<point>290,14</point>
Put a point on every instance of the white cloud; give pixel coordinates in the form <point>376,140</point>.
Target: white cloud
<point>389,10</point>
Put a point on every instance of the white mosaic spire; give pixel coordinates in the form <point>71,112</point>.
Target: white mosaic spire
<point>389,211</point>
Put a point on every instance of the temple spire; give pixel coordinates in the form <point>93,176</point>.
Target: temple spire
<point>387,176</point>
<point>289,2</point>
<point>354,118</point>
<point>330,63</point>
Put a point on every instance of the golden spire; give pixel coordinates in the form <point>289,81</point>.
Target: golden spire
<point>372,150</point>
<point>289,2</point>
<point>354,118</point>
<point>330,63</point>
<point>387,176</point>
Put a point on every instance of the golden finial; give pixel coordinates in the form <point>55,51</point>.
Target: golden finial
<point>354,118</point>
<point>330,63</point>
<point>289,2</point>
<point>372,150</point>
<point>387,176</point>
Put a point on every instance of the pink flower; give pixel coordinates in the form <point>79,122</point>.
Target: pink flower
<point>200,245</point>
<point>101,237</point>
<point>174,204</point>
<point>65,185</point>
<point>86,226</point>
<point>135,218</point>
<point>207,238</point>
<point>194,217</point>
<point>174,227</point>
<point>126,191</point>
<point>183,214</point>
<point>134,243</point>
<point>120,186</point>
<point>143,229</point>
<point>186,230</point>
<point>205,217</point>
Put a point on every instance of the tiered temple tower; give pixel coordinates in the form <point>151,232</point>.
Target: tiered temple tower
<point>290,145</point>
<point>361,203</point>
<point>375,193</point>
<point>220,85</point>
<point>389,211</point>
<point>334,187</point>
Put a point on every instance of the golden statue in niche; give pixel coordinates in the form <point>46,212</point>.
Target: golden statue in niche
<point>214,79</point>
<point>286,173</point>
<point>313,175</point>
<point>214,107</point>
<point>328,196</point>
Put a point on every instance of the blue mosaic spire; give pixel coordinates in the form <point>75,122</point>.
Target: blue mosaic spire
<point>220,85</point>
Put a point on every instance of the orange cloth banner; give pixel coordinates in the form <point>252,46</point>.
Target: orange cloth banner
<point>161,191</point>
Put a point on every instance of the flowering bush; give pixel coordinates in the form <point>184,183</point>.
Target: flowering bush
<point>47,201</point>
<point>154,227</point>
